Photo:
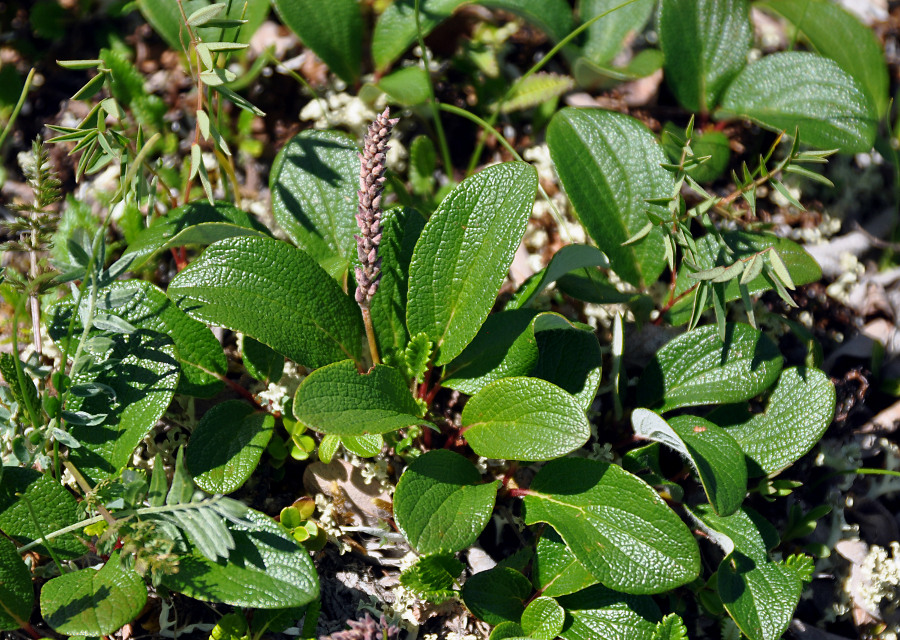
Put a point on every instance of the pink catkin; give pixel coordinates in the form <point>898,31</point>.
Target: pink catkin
<point>368,217</point>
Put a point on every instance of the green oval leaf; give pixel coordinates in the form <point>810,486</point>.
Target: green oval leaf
<point>598,612</point>
<point>837,34</point>
<point>265,570</point>
<point>569,357</point>
<point>798,412</point>
<point>226,446</point>
<point>605,36</point>
<point>53,508</point>
<point>784,91</point>
<point>275,293</point>
<point>503,347</point>
<point>196,223</point>
<point>609,164</point>
<point>16,590</point>
<point>145,306</point>
<point>395,30</point>
<point>698,368</point>
<point>714,454</point>
<point>705,44</point>
<point>334,35</point>
<point>439,504</point>
<point>464,253</point>
<point>524,419</point>
<point>553,17</point>
<point>744,530</point>
<point>616,525</point>
<point>314,180</point>
<point>555,570</point>
<point>339,400</point>
<point>760,596</point>
<point>497,595</point>
<point>543,619</point>
<point>93,603</point>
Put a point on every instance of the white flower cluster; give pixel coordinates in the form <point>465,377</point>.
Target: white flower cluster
<point>851,270</point>
<point>881,576</point>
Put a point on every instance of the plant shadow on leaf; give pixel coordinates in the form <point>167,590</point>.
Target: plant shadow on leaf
<point>70,610</point>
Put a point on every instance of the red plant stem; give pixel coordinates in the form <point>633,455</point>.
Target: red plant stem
<point>243,392</point>
<point>31,630</point>
<point>519,493</point>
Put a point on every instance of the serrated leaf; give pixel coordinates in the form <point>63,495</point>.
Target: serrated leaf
<point>714,454</point>
<point>670,628</point>
<point>798,412</point>
<point>400,229</point>
<point>609,164</point>
<point>598,612</point>
<point>93,603</point>
<point>226,446</point>
<point>568,356</point>
<point>536,89</point>
<point>505,346</point>
<point>464,253</point>
<point>521,418</point>
<point>334,35</point>
<point>266,570</point>
<point>147,308</point>
<point>314,180</point>
<point>759,596</point>
<point>439,504</point>
<point>705,43</point>
<point>837,34</point>
<point>16,590</point>
<point>605,36</point>
<point>368,403</point>
<point>698,368</point>
<point>617,527</point>
<point>543,619</point>
<point>569,258</point>
<point>497,595</point>
<point>802,267</point>
<point>798,90</point>
<point>274,293</point>
<point>555,570</point>
<point>433,576</point>
<point>196,223</point>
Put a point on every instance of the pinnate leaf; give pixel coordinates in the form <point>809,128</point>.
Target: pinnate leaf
<point>464,253</point>
<point>794,89</point>
<point>274,293</point>
<point>609,164</point>
<point>365,403</point>
<point>616,525</point>
<point>698,368</point>
<point>439,504</point>
<point>523,418</point>
<point>93,603</point>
